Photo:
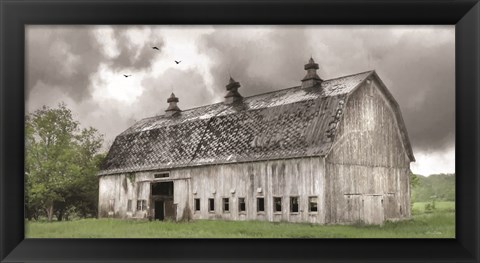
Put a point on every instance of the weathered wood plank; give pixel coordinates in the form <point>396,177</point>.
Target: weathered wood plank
<point>368,158</point>
<point>281,178</point>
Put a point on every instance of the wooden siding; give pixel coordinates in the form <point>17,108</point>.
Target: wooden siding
<point>301,178</point>
<point>121,188</point>
<point>282,178</point>
<point>367,170</point>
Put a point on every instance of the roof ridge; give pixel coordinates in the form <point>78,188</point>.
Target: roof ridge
<point>260,94</point>
<point>346,76</point>
<point>351,75</point>
<point>194,108</point>
<point>273,91</point>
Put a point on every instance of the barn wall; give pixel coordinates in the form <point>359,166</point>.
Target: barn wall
<point>368,168</point>
<point>283,178</point>
<point>120,188</point>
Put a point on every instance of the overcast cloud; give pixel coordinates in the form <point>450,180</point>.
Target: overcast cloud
<point>83,66</point>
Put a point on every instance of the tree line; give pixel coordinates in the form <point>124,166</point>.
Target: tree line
<point>436,187</point>
<point>61,162</point>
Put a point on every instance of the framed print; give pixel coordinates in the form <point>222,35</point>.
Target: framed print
<point>239,131</point>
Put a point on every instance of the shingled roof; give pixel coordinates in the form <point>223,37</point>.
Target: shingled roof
<point>288,123</point>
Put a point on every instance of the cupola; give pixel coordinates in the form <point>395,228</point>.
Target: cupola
<point>172,107</point>
<point>311,79</point>
<point>232,92</point>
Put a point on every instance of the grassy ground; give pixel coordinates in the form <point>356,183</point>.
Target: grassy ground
<point>419,207</point>
<point>439,223</point>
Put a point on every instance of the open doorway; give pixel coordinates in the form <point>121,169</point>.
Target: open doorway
<point>159,210</point>
<point>162,196</point>
<point>163,189</point>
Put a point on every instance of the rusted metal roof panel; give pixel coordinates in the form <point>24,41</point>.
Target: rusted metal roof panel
<point>288,123</point>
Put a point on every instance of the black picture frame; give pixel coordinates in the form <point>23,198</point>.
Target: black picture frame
<point>15,14</point>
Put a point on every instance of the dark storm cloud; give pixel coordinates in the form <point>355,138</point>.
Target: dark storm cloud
<point>130,55</point>
<point>66,57</point>
<point>49,49</point>
<point>417,66</point>
<point>260,62</point>
<point>425,90</point>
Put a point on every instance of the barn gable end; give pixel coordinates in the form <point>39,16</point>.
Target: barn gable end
<point>368,165</point>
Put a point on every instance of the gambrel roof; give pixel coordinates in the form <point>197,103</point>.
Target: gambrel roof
<point>288,123</point>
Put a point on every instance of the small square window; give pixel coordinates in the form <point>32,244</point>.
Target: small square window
<point>313,204</point>
<point>226,205</point>
<point>260,204</point>
<point>277,204</point>
<point>211,205</point>
<point>294,204</point>
<point>141,205</point>
<point>197,204</point>
<point>129,205</point>
<point>241,204</point>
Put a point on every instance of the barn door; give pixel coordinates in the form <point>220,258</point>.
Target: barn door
<point>170,210</point>
<point>353,208</point>
<point>373,212</point>
<point>159,210</point>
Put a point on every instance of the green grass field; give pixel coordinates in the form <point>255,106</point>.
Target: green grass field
<point>439,223</point>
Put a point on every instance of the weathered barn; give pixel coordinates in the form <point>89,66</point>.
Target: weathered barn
<point>329,151</point>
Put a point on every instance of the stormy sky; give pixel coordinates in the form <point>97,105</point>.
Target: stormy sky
<point>83,66</point>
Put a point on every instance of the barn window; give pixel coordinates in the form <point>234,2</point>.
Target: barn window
<point>260,204</point>
<point>197,204</point>
<point>226,205</point>
<point>211,205</point>
<point>313,204</point>
<point>277,204</point>
<point>241,204</point>
<point>294,204</point>
<point>141,205</point>
<point>161,175</point>
<point>111,205</point>
<point>129,205</point>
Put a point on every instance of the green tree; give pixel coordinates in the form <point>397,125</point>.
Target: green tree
<point>60,164</point>
<point>441,187</point>
<point>414,180</point>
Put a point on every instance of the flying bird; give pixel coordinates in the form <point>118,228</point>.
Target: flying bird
<point>155,48</point>
<point>126,76</point>
<point>178,62</point>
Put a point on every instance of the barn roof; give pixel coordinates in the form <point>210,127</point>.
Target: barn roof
<point>288,123</point>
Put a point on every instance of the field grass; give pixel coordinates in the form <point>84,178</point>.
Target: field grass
<point>439,223</point>
<point>419,207</point>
